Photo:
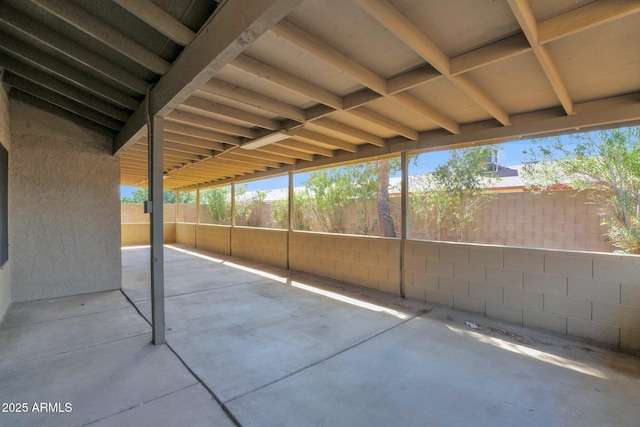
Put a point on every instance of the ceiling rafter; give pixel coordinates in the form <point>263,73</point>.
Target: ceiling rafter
<point>585,17</point>
<point>346,65</point>
<point>193,141</point>
<point>158,19</point>
<point>418,106</point>
<point>279,77</point>
<point>262,155</point>
<point>250,161</point>
<point>206,107</point>
<point>104,33</point>
<point>351,131</point>
<point>331,56</point>
<point>64,72</point>
<point>381,120</point>
<point>204,122</point>
<point>529,25</point>
<point>411,79</point>
<point>234,25</point>
<point>62,101</point>
<point>409,34</point>
<point>17,23</point>
<point>306,148</point>
<point>489,54</point>
<point>249,97</point>
<point>45,80</point>
<point>308,135</point>
<point>285,151</point>
<point>209,135</point>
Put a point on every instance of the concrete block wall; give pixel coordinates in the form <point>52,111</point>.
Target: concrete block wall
<point>186,233</point>
<point>558,220</point>
<point>260,244</point>
<point>590,295</point>
<point>215,238</point>
<point>134,234</point>
<point>368,261</point>
<point>134,213</point>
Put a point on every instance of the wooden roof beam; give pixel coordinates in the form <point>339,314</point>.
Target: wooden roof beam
<point>411,79</point>
<point>64,72</point>
<point>249,97</point>
<point>307,148</point>
<point>307,135</point>
<point>62,101</point>
<point>411,35</point>
<point>331,56</point>
<point>158,19</point>
<point>351,131</point>
<point>252,154</point>
<point>584,18</point>
<point>206,108</point>
<point>193,141</point>
<point>386,122</point>
<point>104,33</point>
<point>233,26</point>
<point>250,161</point>
<point>529,25</point>
<point>284,151</point>
<point>287,81</point>
<point>47,81</point>
<point>494,52</point>
<point>198,120</point>
<point>25,27</point>
<point>420,107</point>
<point>197,132</point>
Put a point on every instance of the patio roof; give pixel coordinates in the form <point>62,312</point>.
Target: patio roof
<point>267,87</point>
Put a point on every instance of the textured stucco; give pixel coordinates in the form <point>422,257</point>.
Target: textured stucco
<point>64,185</point>
<point>5,140</point>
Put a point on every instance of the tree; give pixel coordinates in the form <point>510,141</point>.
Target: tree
<point>359,188</point>
<point>607,165</point>
<point>141,195</point>
<point>280,209</point>
<point>218,204</point>
<point>387,227</point>
<point>249,206</point>
<point>447,199</point>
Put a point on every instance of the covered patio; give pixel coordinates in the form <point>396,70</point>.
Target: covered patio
<point>249,344</point>
<point>283,326</point>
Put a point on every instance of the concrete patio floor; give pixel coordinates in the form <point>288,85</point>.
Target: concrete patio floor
<point>263,346</point>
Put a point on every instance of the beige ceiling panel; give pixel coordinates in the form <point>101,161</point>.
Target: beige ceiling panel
<point>401,114</point>
<point>249,81</point>
<point>602,61</point>
<point>326,131</point>
<point>238,105</point>
<point>547,9</point>
<point>445,97</point>
<point>360,123</point>
<point>288,57</point>
<point>352,31</point>
<point>457,27</point>
<point>518,84</point>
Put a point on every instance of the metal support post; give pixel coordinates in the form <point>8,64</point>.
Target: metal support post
<point>404,215</point>
<point>155,147</point>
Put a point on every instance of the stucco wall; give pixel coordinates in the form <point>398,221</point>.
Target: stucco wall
<point>5,140</point>
<point>64,186</point>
